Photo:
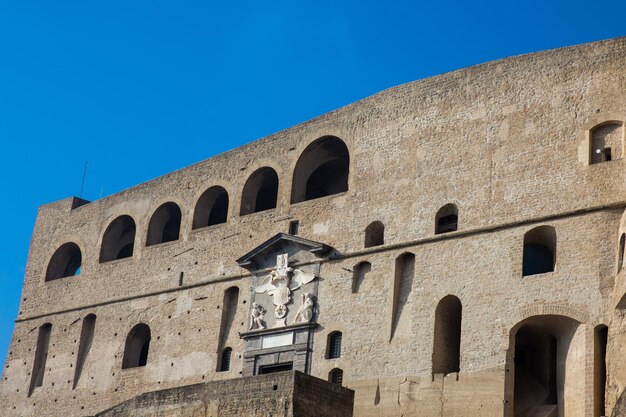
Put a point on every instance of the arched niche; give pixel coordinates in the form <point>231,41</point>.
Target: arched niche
<point>164,224</point>
<point>211,208</point>
<point>118,241</point>
<point>65,262</point>
<point>374,234</point>
<point>322,170</point>
<point>447,219</point>
<point>137,347</point>
<point>260,192</point>
<point>539,255</point>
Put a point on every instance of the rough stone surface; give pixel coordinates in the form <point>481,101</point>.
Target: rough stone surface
<point>289,394</point>
<point>508,142</point>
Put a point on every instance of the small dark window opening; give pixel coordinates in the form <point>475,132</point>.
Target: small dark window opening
<point>294,226</point>
<point>334,345</point>
<point>601,334</point>
<point>225,360</point>
<point>137,347</point>
<point>260,192</point>
<point>65,262</point>
<point>607,142</point>
<point>620,259</point>
<point>279,367</point>
<point>539,251</point>
<point>211,208</point>
<point>447,219</point>
<point>336,376</point>
<point>374,234</point>
<point>118,240</point>
<point>321,170</point>
<point>164,225</point>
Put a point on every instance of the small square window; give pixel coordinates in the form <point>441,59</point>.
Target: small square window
<point>294,226</point>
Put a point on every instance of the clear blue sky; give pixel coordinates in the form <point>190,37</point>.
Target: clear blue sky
<point>141,88</point>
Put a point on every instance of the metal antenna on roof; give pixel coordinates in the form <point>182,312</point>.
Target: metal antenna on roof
<point>82,185</point>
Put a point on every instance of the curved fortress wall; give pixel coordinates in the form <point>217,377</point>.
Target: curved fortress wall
<point>435,314</point>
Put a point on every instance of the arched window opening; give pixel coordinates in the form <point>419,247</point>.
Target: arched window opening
<point>322,170</point>
<point>539,251</point>
<point>41,357</point>
<point>447,219</point>
<point>607,142</point>
<point>402,288</point>
<point>137,347</point>
<point>333,349</point>
<point>229,311</point>
<point>447,339</point>
<point>118,240</point>
<point>601,336</point>
<point>211,208</point>
<point>336,376</point>
<point>374,234</point>
<point>164,225</point>
<point>86,339</point>
<point>358,275</point>
<point>620,259</point>
<point>65,262</point>
<point>260,192</point>
<point>225,359</point>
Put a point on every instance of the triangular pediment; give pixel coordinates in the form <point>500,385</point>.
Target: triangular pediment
<point>264,255</point>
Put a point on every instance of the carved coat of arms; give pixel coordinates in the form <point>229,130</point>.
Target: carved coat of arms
<point>280,283</point>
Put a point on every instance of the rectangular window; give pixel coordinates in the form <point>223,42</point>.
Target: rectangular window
<point>279,367</point>
<point>293,227</point>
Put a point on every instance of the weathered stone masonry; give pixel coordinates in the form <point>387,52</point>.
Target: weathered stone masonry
<point>461,232</point>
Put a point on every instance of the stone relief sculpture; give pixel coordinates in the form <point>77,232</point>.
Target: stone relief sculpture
<point>257,314</point>
<point>305,312</point>
<point>279,284</point>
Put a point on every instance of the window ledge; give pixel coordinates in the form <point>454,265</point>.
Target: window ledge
<point>117,261</point>
<point>208,228</point>
<point>543,274</point>
<point>322,199</point>
<point>163,244</point>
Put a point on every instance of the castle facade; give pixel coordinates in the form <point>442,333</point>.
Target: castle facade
<point>452,247</point>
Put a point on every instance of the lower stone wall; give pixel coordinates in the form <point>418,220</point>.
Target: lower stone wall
<point>314,397</point>
<point>285,394</point>
<point>454,395</point>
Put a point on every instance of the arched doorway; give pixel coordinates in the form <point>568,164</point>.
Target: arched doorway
<point>546,367</point>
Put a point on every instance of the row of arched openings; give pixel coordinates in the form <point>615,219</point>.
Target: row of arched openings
<point>41,352</point>
<point>321,170</point>
<point>538,257</point>
<point>136,350</point>
<point>136,345</point>
<point>446,220</point>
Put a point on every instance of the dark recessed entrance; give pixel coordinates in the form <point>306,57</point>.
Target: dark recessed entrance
<point>279,367</point>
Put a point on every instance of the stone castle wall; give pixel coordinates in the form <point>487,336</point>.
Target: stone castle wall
<point>507,142</point>
<point>285,394</point>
